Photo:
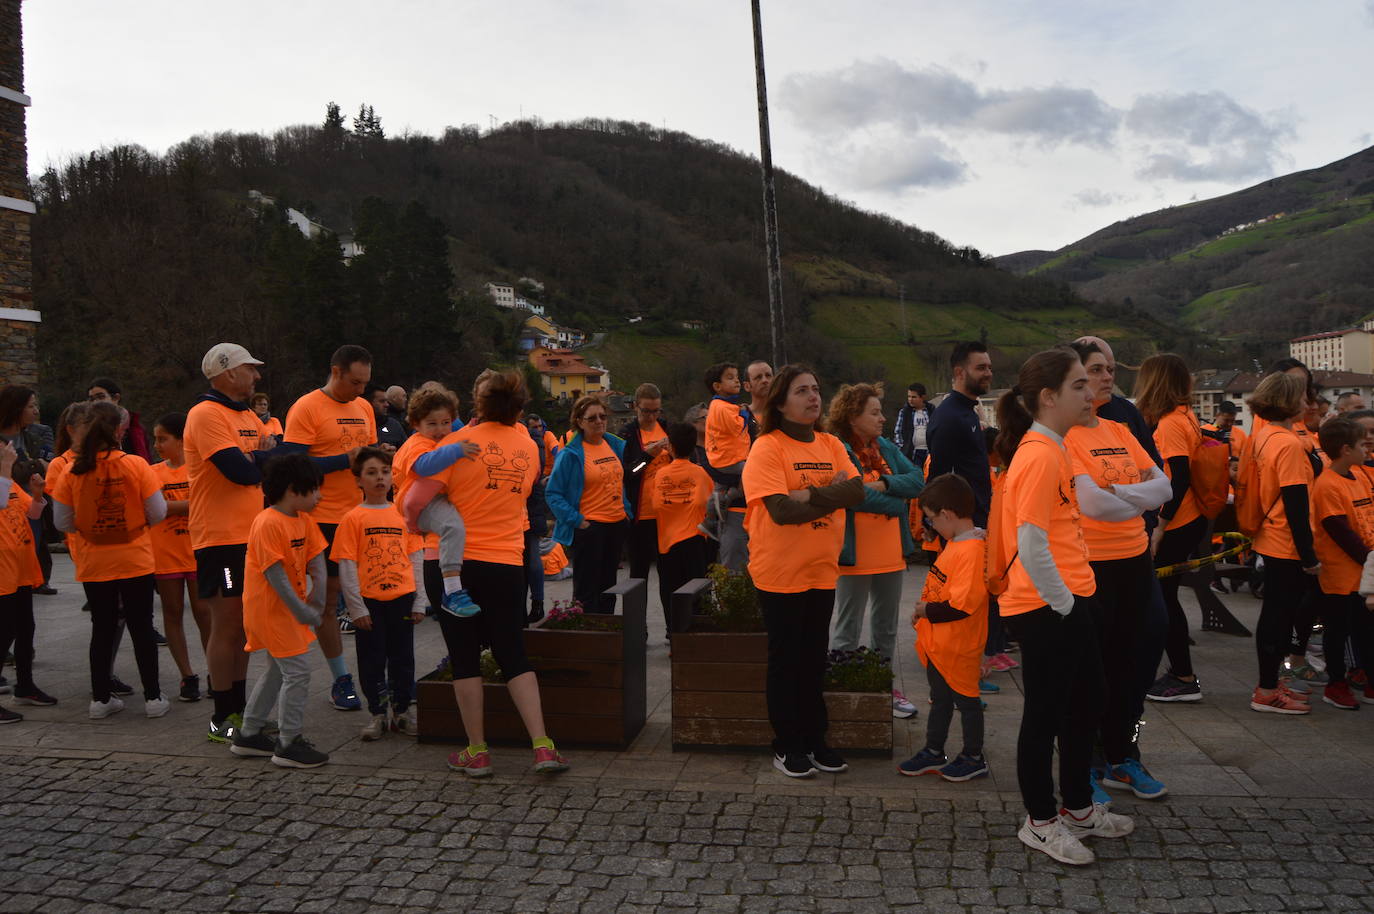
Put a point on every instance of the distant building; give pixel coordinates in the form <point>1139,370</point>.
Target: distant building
<point>1337,350</point>
<point>348,246</point>
<point>693,325</point>
<point>565,373</point>
<point>1210,389</point>
<point>503,293</point>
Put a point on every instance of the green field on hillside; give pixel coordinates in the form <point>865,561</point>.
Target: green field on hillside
<point>1214,305</point>
<point>674,363</point>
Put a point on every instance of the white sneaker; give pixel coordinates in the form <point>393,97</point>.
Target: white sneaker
<point>374,728</point>
<point>406,723</point>
<point>100,709</point>
<point>1100,823</point>
<point>157,707</point>
<point>1054,840</point>
<point>901,708</point>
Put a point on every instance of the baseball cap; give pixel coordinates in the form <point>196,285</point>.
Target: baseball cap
<point>224,356</point>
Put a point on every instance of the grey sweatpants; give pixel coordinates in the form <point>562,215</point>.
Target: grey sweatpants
<point>852,597</point>
<point>287,683</point>
<point>439,516</point>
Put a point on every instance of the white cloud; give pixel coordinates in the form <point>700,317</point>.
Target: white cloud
<point>924,162</point>
<point>1206,136</point>
<point>1096,196</point>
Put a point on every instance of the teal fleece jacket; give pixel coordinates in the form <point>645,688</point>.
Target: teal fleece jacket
<point>905,483</point>
<point>564,489</point>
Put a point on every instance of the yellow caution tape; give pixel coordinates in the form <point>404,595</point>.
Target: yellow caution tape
<point>1241,543</point>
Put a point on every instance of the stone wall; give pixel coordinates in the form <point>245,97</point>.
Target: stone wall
<point>18,358</point>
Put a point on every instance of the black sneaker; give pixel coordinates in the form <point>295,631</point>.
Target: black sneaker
<point>827,760</point>
<point>119,687</point>
<point>5,687</point>
<point>536,613</point>
<point>346,627</point>
<point>259,745</point>
<point>34,696</point>
<point>190,688</point>
<point>300,754</point>
<point>10,717</point>
<point>794,765</point>
<point>45,590</point>
<point>160,638</point>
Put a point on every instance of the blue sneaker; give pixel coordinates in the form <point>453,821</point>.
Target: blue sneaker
<point>1131,775</point>
<point>965,768</point>
<point>988,688</point>
<point>343,696</point>
<point>1100,796</point>
<point>460,604</point>
<point>927,761</point>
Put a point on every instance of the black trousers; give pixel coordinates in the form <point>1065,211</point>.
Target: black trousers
<point>643,547</point>
<point>17,628</point>
<point>386,653</point>
<point>500,591</point>
<point>1285,586</point>
<point>682,562</point>
<point>1123,595</point>
<point>1345,618</point>
<point>1177,546</point>
<point>434,586</point>
<point>135,595</point>
<point>1061,675</point>
<point>798,639</point>
<point>943,702</point>
<point>596,558</point>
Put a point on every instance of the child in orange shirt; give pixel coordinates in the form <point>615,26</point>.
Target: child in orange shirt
<point>281,611</point>
<point>174,560</point>
<point>21,498</point>
<point>951,622</point>
<point>679,495</point>
<point>727,447</point>
<point>375,555</point>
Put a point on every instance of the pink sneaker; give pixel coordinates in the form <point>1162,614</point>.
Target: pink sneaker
<point>549,761</point>
<point>474,765</point>
<point>1002,662</point>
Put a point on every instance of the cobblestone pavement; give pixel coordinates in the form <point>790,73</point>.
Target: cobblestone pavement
<point>99,834</point>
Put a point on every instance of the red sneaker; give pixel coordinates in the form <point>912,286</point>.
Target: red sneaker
<point>1338,694</point>
<point>1368,695</point>
<point>549,761</point>
<point>1002,662</point>
<point>1278,701</point>
<point>1358,679</point>
<point>474,765</point>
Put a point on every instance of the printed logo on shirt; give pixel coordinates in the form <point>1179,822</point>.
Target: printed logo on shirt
<point>1108,452</point>
<point>679,493</point>
<point>175,487</point>
<point>501,472</point>
<point>298,542</point>
<point>248,433</point>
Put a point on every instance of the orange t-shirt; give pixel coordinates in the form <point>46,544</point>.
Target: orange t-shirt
<point>272,426</point>
<point>661,460</point>
<point>727,434</point>
<point>1177,435</point>
<point>172,551</point>
<point>681,492</point>
<point>56,467</point>
<point>550,444</point>
<point>111,508</point>
<point>877,537</point>
<point>956,648</point>
<point>221,511</point>
<point>402,461</point>
<point>375,537</point>
<point>18,560</point>
<point>1280,460</point>
<point>332,428</point>
<point>603,483</point>
<point>267,622</point>
<point>1039,490</point>
<point>793,558</point>
<point>1335,495</point>
<point>1109,454</point>
<point>490,492</point>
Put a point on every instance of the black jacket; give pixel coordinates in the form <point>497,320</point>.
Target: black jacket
<point>634,456</point>
<point>956,444</point>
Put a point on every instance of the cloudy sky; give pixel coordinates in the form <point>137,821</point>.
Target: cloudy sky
<point>1004,124</point>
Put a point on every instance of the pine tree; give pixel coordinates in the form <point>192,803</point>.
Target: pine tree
<point>333,119</point>
<point>367,124</point>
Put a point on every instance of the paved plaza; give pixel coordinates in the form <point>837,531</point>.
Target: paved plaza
<point>1265,812</point>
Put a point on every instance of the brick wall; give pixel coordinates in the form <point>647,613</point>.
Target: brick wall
<point>18,359</point>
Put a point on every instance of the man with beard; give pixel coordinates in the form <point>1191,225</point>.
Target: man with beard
<point>955,434</point>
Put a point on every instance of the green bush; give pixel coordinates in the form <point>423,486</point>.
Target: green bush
<point>862,670</point>
<point>732,603</point>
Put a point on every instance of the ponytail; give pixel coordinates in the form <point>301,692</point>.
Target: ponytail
<point>1018,407</point>
<point>102,435</point>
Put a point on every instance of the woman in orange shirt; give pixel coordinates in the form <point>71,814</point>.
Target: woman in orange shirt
<point>1285,538</point>
<point>109,499</point>
<point>796,479</point>
<point>586,493</point>
<point>21,500</point>
<point>1048,605</point>
<point>1164,388</point>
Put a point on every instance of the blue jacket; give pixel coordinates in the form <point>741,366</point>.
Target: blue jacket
<point>905,483</point>
<point>564,489</point>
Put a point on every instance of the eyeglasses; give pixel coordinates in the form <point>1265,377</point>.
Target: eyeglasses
<point>599,417</point>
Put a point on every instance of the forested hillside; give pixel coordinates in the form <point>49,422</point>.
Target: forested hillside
<point>143,260</point>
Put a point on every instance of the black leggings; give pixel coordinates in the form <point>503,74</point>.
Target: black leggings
<point>135,595</point>
<point>798,637</point>
<point>1177,546</point>
<point>643,547</point>
<point>1345,618</point>
<point>943,701</point>
<point>682,562</point>
<point>1285,586</point>
<point>1123,594</point>
<point>434,586</point>
<point>595,559</point>
<point>1061,676</point>
<point>500,591</point>
<point>16,627</point>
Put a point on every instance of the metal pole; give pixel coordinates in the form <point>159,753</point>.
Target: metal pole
<point>770,201</point>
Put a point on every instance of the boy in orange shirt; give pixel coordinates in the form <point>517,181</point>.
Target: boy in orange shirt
<point>679,495</point>
<point>727,447</point>
<point>951,622</point>
<point>1343,518</point>
<point>376,555</point>
<point>281,611</point>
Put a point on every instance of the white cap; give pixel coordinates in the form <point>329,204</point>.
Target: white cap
<point>224,356</point>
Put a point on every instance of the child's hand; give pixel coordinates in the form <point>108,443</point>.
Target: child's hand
<point>471,448</point>
<point>36,485</point>
<point>1369,602</point>
<point>417,617</point>
<point>918,611</point>
<point>363,622</point>
<point>8,455</point>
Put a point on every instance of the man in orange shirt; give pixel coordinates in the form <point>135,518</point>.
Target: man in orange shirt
<point>331,424</point>
<point>646,453</point>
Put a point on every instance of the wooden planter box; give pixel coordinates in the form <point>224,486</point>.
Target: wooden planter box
<point>719,697</point>
<point>591,684</point>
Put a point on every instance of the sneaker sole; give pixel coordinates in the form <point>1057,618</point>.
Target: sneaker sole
<point>12,719</point>
<point>1338,705</point>
<point>34,702</point>
<point>474,772</point>
<point>370,737</point>
<point>840,770</point>
<point>934,769</point>
<point>105,715</point>
<point>1048,852</point>
<point>793,774</point>
<point>550,767</point>
<point>1270,709</point>
<point>250,752</point>
<point>187,698</point>
<point>153,715</point>
<point>292,763</point>
<point>1190,696</point>
<point>904,715</point>
<point>338,707</point>
<point>1140,794</point>
<point>964,777</point>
